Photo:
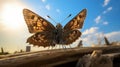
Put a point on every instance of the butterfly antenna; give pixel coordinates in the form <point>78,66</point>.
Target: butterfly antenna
<point>66,17</point>
<point>51,19</point>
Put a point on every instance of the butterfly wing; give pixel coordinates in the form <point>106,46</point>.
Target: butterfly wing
<point>42,28</point>
<point>71,36</point>
<point>71,32</point>
<point>77,21</point>
<point>44,39</point>
<point>36,23</point>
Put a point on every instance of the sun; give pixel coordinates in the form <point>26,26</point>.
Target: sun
<point>12,17</point>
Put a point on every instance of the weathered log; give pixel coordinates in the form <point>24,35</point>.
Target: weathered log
<point>52,58</point>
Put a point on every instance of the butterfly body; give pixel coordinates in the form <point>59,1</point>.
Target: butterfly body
<point>45,34</point>
<point>58,34</point>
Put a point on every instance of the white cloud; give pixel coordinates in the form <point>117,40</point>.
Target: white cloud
<point>88,40</point>
<point>47,7</point>
<point>105,23</point>
<point>106,3</point>
<point>107,10</point>
<point>58,10</point>
<point>43,0</point>
<point>90,31</point>
<point>113,36</point>
<point>110,8</point>
<point>90,36</point>
<point>97,19</point>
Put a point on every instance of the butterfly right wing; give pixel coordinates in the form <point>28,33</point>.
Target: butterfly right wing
<point>77,22</point>
<point>71,36</point>
<point>71,32</point>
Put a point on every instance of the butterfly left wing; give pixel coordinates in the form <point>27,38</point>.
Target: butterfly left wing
<point>71,32</point>
<point>44,30</point>
<point>44,39</point>
<point>36,23</point>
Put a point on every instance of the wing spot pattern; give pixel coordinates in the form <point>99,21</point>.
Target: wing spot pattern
<point>32,17</point>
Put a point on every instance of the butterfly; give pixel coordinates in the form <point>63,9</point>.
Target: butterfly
<point>46,34</point>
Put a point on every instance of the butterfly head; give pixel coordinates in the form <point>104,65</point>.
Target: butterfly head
<point>59,26</point>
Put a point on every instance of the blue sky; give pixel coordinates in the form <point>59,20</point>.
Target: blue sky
<point>60,9</point>
<point>102,19</point>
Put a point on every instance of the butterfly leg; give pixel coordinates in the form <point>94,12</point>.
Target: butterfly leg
<point>48,48</point>
<point>51,47</point>
<point>63,46</point>
<point>70,47</point>
<point>59,46</point>
<point>55,47</point>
